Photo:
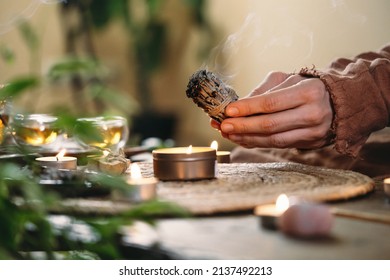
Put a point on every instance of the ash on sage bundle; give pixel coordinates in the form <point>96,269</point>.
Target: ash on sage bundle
<point>210,93</point>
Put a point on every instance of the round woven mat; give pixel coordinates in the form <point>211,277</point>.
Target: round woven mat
<point>242,186</point>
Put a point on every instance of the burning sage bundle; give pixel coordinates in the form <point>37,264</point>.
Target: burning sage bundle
<point>210,93</point>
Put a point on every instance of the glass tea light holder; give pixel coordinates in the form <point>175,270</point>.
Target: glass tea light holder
<point>35,131</point>
<point>5,111</point>
<point>110,132</point>
<point>184,163</point>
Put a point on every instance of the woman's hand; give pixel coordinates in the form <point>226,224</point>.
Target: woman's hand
<point>284,111</point>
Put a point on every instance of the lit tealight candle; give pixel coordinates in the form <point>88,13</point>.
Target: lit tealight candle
<point>296,218</point>
<point>386,186</point>
<point>184,163</point>
<point>222,156</point>
<point>59,161</point>
<point>269,213</point>
<point>143,189</point>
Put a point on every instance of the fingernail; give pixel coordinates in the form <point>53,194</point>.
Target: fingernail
<point>227,127</point>
<point>232,111</point>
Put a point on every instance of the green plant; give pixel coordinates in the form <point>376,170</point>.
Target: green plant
<point>147,34</point>
<point>27,225</point>
<point>26,219</point>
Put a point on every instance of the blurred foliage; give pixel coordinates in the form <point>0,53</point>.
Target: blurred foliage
<point>92,74</point>
<point>18,86</point>
<point>26,221</point>
<point>29,36</point>
<point>147,34</point>
<point>7,54</point>
<point>86,67</point>
<point>27,226</point>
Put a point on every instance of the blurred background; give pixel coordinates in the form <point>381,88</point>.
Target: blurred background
<point>146,50</point>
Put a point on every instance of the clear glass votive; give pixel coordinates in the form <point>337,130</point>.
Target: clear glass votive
<point>110,132</point>
<point>35,130</point>
<point>5,111</point>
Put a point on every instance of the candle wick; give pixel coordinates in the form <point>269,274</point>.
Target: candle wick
<point>57,158</point>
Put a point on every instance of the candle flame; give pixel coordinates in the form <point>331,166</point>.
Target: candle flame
<point>282,203</point>
<point>135,171</point>
<point>61,154</point>
<point>189,149</point>
<point>214,145</point>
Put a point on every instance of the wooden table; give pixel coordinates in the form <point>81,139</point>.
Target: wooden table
<point>240,236</point>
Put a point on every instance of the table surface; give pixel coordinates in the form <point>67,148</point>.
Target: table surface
<point>240,236</point>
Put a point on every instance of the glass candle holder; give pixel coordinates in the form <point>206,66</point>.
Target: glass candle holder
<point>107,132</point>
<point>35,130</point>
<point>5,111</point>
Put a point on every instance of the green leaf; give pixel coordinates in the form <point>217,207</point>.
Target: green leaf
<point>71,66</point>
<point>110,96</point>
<point>87,132</point>
<point>198,11</point>
<point>113,182</point>
<point>7,54</point>
<point>149,211</point>
<point>65,120</point>
<point>17,86</point>
<point>29,35</point>
<point>151,45</point>
<point>153,6</point>
<point>101,12</point>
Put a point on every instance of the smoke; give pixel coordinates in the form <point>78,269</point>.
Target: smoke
<point>262,38</point>
<point>246,35</point>
<point>11,18</point>
<point>341,7</point>
<point>288,31</point>
<point>222,55</point>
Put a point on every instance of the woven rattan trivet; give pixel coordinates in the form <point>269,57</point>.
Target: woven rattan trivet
<point>242,186</point>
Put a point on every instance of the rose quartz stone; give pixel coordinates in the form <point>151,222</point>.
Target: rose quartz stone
<point>306,220</point>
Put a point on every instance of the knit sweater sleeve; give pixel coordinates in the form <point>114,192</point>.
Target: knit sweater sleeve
<point>360,92</point>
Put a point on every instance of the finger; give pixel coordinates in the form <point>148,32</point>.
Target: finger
<point>275,101</point>
<point>303,116</point>
<point>215,124</point>
<point>271,80</point>
<point>305,138</point>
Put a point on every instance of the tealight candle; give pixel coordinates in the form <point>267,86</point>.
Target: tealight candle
<point>386,186</point>
<point>222,156</point>
<point>184,163</point>
<point>299,218</point>
<point>269,213</point>
<point>142,189</point>
<point>59,161</point>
